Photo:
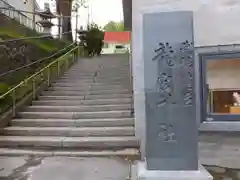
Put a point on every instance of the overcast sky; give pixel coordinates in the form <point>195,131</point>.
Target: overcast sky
<point>102,11</point>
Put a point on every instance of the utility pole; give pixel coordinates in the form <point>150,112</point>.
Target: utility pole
<point>76,25</point>
<point>88,19</point>
<point>60,26</point>
<point>34,14</point>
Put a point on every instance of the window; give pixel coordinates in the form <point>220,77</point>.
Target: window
<point>221,87</point>
<point>119,47</point>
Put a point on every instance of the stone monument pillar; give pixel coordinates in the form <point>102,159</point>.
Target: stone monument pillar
<point>171,133</point>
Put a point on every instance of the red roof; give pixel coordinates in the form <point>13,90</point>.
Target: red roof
<point>117,37</point>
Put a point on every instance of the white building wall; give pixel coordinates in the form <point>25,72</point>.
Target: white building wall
<point>112,47</point>
<point>28,6</point>
<point>19,4</point>
<point>215,22</point>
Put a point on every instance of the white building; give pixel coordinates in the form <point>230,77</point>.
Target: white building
<point>217,46</point>
<point>116,42</point>
<point>25,18</point>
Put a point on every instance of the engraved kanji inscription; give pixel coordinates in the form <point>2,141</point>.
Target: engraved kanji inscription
<point>164,87</point>
<point>166,133</point>
<point>169,59</point>
<point>187,54</point>
<point>165,54</point>
<point>188,95</point>
<point>164,83</point>
<point>190,66</point>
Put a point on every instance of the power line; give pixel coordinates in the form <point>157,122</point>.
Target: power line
<point>37,13</point>
<point>35,62</point>
<point>34,37</point>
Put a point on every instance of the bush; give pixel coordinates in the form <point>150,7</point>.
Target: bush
<point>92,40</point>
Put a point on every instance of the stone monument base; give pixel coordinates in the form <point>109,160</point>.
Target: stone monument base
<point>144,174</point>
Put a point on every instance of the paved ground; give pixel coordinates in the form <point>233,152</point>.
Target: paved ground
<point>222,161</point>
<point>71,168</point>
<point>63,168</point>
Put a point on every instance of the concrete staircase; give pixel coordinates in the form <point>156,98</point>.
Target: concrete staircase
<point>87,112</point>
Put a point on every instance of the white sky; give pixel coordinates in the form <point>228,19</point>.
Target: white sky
<point>101,11</point>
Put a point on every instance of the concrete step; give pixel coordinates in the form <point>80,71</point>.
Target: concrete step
<point>77,77</point>
<point>105,96</point>
<point>69,153</point>
<point>80,93</point>
<point>93,108</point>
<point>113,73</point>
<point>97,79</point>
<point>68,131</point>
<point>84,102</point>
<point>87,88</point>
<point>112,81</point>
<point>69,84</point>
<point>95,82</point>
<point>108,96</point>
<point>121,142</point>
<point>79,85</point>
<point>73,123</point>
<point>74,115</point>
<point>71,81</point>
<point>61,98</point>
<point>56,88</point>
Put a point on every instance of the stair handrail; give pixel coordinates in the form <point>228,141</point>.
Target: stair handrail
<point>43,76</point>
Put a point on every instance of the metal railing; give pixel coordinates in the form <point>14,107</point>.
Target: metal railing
<point>42,77</point>
<point>11,12</point>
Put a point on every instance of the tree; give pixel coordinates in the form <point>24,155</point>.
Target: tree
<point>114,26</point>
<point>92,39</point>
<point>77,4</point>
<point>64,8</point>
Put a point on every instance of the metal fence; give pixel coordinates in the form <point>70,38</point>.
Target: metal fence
<point>11,12</point>
<point>32,83</point>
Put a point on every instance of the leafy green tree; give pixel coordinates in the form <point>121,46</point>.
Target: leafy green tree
<point>114,26</point>
<point>92,39</point>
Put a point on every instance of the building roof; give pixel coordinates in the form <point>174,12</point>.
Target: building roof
<point>117,37</point>
<point>37,7</point>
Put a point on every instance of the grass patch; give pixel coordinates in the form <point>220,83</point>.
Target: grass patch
<point>12,57</point>
<point>45,44</point>
<point>25,89</point>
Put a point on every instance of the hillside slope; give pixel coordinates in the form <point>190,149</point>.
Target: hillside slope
<point>15,54</point>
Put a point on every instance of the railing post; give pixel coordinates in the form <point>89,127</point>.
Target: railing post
<point>74,55</point>
<point>48,76</point>
<point>73,58</point>
<point>58,67</point>
<point>13,103</point>
<point>34,88</point>
<point>67,64</point>
<point>77,52</point>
